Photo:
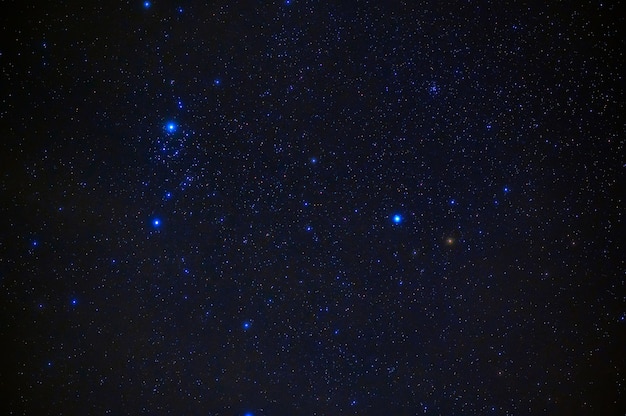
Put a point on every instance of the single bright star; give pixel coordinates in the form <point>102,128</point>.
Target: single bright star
<point>147,4</point>
<point>156,223</point>
<point>246,325</point>
<point>170,127</point>
<point>397,219</point>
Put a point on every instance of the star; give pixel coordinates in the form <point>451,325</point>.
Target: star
<point>246,325</point>
<point>147,4</point>
<point>171,127</point>
<point>397,218</point>
<point>156,223</point>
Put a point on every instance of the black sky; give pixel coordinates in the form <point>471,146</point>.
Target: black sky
<point>308,208</point>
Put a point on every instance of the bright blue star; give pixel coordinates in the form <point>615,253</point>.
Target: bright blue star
<point>74,302</point>
<point>156,223</point>
<point>170,127</point>
<point>506,189</point>
<point>313,160</point>
<point>397,219</point>
<point>246,325</point>
<point>452,202</point>
<point>249,414</point>
<point>217,81</point>
<point>147,4</point>
<point>35,243</point>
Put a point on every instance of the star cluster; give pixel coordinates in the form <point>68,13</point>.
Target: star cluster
<point>295,207</point>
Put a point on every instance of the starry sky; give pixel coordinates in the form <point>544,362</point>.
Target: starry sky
<point>299,207</point>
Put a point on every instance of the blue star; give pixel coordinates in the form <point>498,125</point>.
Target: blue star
<point>249,414</point>
<point>156,223</point>
<point>506,189</point>
<point>397,219</point>
<point>35,243</point>
<point>170,127</point>
<point>146,4</point>
<point>217,81</point>
<point>452,202</point>
<point>246,325</point>
<point>74,302</point>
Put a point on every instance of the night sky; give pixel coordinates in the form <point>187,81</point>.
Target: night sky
<point>303,208</point>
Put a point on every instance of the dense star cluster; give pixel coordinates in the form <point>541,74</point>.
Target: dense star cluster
<point>312,208</point>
